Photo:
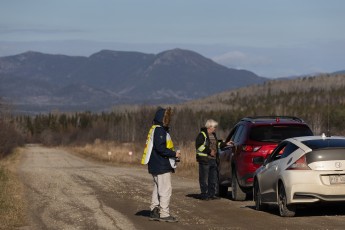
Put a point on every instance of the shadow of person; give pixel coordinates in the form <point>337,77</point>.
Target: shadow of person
<point>145,213</point>
<point>195,196</point>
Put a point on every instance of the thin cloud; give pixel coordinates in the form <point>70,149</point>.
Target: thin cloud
<point>238,59</point>
<point>6,30</point>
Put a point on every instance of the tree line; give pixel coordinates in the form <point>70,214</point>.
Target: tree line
<point>323,108</point>
<point>118,125</point>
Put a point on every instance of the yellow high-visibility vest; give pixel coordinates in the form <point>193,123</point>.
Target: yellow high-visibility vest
<point>202,147</point>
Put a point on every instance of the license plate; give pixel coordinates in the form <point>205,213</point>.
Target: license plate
<point>337,179</point>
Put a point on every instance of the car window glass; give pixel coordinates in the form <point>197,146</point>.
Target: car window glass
<point>238,133</point>
<point>277,153</point>
<point>325,143</point>
<point>231,134</point>
<point>277,133</point>
<point>290,148</point>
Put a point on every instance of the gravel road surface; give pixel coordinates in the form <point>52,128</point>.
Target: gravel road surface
<point>65,191</point>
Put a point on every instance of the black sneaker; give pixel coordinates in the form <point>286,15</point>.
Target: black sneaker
<point>154,215</point>
<point>170,219</point>
<point>214,198</point>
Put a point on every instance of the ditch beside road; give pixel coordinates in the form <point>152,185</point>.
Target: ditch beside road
<point>65,191</point>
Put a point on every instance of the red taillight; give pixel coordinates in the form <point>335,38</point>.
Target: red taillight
<point>250,148</point>
<point>300,164</point>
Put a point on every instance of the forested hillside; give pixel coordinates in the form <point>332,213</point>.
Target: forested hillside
<point>319,100</point>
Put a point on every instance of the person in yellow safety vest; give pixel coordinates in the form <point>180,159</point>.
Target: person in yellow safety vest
<point>207,146</point>
<point>159,165</point>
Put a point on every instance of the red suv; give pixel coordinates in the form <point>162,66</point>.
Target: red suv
<point>254,138</point>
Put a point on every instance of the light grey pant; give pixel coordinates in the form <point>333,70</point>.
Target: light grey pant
<point>161,193</point>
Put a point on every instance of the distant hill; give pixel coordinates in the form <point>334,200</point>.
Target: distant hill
<point>40,82</point>
<point>339,72</point>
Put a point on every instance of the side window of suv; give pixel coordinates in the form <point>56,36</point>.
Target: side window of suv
<point>230,137</point>
<point>238,133</point>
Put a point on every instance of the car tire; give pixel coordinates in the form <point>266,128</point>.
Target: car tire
<point>285,210</point>
<point>223,191</point>
<point>237,193</point>
<point>257,197</point>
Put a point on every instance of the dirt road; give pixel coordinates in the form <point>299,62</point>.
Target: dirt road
<point>67,192</point>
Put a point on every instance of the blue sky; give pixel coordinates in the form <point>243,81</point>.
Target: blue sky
<point>272,38</point>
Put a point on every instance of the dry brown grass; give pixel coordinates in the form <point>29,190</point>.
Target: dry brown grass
<point>119,153</point>
<point>12,202</point>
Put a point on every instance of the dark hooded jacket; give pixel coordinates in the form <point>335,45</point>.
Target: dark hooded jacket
<point>159,160</point>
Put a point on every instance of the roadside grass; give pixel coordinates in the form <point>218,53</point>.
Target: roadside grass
<point>12,204</point>
<point>130,154</point>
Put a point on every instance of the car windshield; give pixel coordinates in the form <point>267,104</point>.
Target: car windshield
<point>277,133</point>
<point>325,143</point>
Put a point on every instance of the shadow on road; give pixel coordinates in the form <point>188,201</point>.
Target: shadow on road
<point>195,196</point>
<point>228,196</point>
<point>145,213</point>
<point>310,210</point>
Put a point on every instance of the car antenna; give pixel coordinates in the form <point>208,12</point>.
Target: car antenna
<point>328,134</point>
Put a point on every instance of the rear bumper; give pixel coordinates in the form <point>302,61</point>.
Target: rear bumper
<point>311,193</point>
<point>319,197</point>
<point>309,186</point>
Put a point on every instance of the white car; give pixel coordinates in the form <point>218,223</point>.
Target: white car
<point>301,170</point>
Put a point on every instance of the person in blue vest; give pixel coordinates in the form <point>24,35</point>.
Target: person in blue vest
<point>160,167</point>
<point>207,146</point>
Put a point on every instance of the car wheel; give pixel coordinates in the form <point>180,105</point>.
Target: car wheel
<point>223,191</point>
<point>257,197</point>
<point>285,210</point>
<point>237,193</point>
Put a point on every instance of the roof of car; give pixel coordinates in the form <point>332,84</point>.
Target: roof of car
<point>318,142</point>
<point>321,137</point>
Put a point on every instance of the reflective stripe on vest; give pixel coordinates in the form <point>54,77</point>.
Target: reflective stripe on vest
<point>202,147</point>
<point>148,145</point>
<point>170,144</point>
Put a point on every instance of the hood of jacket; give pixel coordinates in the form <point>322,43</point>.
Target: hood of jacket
<point>162,117</point>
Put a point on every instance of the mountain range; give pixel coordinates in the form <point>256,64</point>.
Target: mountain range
<point>38,82</point>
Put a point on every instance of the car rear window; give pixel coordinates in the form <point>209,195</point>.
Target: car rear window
<point>277,133</point>
<point>325,143</point>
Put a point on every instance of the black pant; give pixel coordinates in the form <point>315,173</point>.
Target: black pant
<point>208,178</point>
